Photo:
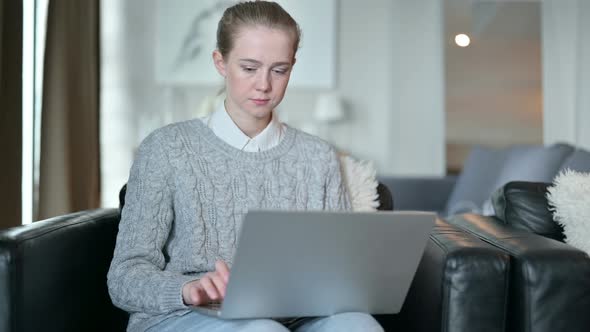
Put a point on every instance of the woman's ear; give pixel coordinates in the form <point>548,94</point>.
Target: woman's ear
<point>219,63</point>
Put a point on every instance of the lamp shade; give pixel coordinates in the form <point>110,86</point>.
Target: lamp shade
<point>329,108</point>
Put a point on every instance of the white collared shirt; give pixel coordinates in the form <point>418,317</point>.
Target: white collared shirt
<point>225,128</point>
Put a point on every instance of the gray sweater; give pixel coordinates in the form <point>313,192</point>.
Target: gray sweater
<point>186,196</point>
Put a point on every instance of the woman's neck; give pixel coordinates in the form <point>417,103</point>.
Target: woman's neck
<point>249,125</point>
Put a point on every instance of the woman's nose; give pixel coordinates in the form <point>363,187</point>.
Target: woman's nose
<point>263,81</point>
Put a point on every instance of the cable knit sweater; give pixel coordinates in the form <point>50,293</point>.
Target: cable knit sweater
<point>186,196</point>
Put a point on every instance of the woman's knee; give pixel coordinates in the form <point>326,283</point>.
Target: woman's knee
<point>352,321</point>
<point>262,325</point>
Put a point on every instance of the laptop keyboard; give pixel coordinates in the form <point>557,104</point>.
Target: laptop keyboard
<point>213,305</point>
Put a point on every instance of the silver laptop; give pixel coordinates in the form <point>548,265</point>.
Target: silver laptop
<point>300,264</point>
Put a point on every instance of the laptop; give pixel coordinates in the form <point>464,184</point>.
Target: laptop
<point>318,263</point>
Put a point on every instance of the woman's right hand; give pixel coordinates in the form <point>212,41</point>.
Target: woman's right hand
<point>211,287</point>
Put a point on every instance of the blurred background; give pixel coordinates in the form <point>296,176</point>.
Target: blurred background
<point>411,85</point>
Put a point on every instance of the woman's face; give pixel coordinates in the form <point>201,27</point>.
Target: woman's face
<point>256,72</point>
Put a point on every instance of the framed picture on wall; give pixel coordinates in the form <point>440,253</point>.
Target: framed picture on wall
<point>186,36</point>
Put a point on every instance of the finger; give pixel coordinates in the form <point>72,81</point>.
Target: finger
<point>191,294</point>
<point>209,287</point>
<point>223,269</point>
<point>219,283</point>
<point>195,296</point>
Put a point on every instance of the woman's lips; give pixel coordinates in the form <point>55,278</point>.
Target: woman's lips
<point>260,102</point>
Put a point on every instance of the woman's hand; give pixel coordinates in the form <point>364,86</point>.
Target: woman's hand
<point>211,287</point>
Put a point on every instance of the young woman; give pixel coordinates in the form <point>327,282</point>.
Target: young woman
<point>192,182</point>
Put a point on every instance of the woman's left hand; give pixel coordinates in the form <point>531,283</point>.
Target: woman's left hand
<point>210,287</point>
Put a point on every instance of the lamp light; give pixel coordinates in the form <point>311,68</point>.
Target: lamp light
<point>462,40</point>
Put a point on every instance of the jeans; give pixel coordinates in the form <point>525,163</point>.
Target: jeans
<point>193,322</point>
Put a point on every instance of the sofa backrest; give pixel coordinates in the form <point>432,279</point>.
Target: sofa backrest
<point>579,161</point>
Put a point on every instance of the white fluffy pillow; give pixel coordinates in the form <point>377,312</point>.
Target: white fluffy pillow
<point>359,177</point>
<point>569,199</point>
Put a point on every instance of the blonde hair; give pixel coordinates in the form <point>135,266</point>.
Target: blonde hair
<point>253,13</point>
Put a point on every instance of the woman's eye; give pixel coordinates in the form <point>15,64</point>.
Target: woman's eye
<point>280,71</point>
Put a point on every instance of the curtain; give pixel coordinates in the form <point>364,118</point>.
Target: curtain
<point>566,72</point>
<point>11,13</point>
<point>69,175</point>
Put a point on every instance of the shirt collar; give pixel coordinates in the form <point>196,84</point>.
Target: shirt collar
<point>225,128</point>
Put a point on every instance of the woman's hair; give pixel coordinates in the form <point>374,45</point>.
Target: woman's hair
<point>251,14</point>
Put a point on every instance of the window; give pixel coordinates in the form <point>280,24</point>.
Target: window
<point>34,23</point>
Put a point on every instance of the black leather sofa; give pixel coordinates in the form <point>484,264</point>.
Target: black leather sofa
<point>461,285</point>
<point>53,278</point>
<point>53,274</point>
<point>549,279</point>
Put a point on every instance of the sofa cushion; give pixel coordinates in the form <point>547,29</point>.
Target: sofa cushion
<point>523,205</point>
<point>476,181</point>
<point>579,161</point>
<point>532,163</point>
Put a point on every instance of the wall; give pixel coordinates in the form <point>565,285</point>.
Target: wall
<point>391,54</point>
<point>383,73</point>
<point>417,125</point>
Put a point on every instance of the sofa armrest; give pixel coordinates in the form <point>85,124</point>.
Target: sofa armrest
<point>423,194</point>
<point>53,274</point>
<point>447,293</point>
<point>550,280</point>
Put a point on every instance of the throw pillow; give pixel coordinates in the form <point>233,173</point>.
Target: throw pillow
<point>569,199</point>
<point>359,177</point>
<point>476,181</point>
